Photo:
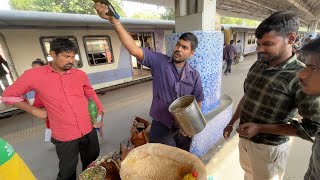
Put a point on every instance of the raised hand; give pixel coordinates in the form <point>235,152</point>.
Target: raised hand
<point>102,11</point>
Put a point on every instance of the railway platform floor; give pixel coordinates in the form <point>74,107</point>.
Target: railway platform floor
<point>26,133</point>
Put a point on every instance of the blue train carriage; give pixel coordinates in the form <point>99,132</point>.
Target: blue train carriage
<point>25,36</point>
<point>243,33</point>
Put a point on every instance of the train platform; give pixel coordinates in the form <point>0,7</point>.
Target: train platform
<point>26,133</point>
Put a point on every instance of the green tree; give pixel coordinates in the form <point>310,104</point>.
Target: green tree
<point>62,6</point>
<point>169,14</point>
<point>238,21</point>
<point>250,22</point>
<point>230,20</point>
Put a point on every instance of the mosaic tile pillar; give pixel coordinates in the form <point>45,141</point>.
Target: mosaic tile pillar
<point>208,61</point>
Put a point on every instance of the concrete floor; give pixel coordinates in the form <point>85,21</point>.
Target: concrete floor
<point>26,133</point>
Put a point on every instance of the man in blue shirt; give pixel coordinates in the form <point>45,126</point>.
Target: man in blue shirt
<point>173,77</point>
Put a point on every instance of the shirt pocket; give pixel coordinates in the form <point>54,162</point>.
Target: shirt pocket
<point>186,88</point>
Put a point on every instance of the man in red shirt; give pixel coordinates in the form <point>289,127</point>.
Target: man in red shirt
<point>64,92</point>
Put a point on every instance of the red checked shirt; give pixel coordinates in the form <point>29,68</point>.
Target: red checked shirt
<point>65,97</point>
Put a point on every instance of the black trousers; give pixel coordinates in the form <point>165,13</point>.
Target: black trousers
<point>68,152</point>
<point>160,133</point>
<point>229,64</point>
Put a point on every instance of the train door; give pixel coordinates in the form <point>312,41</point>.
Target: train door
<point>242,40</point>
<point>145,40</point>
<point>234,37</point>
<point>7,71</point>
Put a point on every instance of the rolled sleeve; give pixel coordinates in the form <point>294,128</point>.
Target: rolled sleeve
<point>15,92</point>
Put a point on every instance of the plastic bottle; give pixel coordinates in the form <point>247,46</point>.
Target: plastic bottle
<point>112,11</point>
<point>93,111</point>
<point>191,176</point>
<point>92,107</point>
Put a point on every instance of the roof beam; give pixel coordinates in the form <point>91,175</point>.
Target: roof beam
<point>258,4</point>
<point>301,6</point>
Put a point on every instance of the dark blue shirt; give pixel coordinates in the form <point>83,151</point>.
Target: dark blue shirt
<point>168,85</point>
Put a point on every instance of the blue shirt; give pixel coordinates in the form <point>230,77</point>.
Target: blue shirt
<point>168,85</point>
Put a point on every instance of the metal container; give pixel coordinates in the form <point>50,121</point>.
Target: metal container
<point>187,113</point>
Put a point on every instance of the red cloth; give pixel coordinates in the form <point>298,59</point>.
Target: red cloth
<point>65,97</point>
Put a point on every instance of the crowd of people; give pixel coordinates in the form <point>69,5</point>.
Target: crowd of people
<point>276,85</point>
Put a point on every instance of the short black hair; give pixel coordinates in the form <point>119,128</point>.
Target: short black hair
<point>190,37</point>
<point>312,47</point>
<point>282,22</point>
<point>38,61</point>
<point>238,41</point>
<point>231,42</point>
<point>60,45</point>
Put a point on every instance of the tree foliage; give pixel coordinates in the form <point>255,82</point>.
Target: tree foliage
<point>230,20</point>
<point>250,22</point>
<point>169,14</point>
<point>238,21</point>
<point>62,6</point>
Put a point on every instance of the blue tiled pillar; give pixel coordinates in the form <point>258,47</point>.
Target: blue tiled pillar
<point>208,61</point>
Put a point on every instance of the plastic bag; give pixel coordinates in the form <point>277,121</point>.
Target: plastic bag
<point>241,58</point>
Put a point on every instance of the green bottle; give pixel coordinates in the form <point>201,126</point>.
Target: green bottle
<point>92,110</point>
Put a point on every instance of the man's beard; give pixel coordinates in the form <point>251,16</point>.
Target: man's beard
<point>67,66</point>
<point>270,58</point>
<point>178,62</point>
<point>273,57</point>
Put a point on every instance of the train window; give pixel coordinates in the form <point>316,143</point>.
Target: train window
<point>98,49</point>
<point>144,39</point>
<point>249,38</point>
<point>253,39</point>
<point>45,44</point>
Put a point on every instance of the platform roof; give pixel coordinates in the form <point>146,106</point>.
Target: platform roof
<point>257,9</point>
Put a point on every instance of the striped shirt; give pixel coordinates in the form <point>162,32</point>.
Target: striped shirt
<point>272,95</point>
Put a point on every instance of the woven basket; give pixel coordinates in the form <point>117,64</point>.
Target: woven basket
<point>181,157</point>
